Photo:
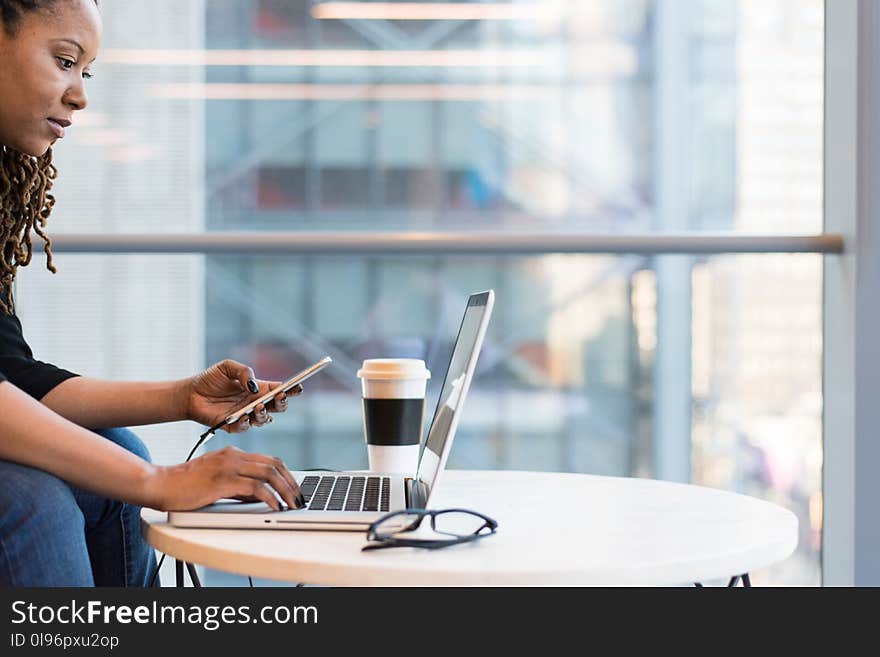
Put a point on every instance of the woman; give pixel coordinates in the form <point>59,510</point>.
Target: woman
<point>70,484</point>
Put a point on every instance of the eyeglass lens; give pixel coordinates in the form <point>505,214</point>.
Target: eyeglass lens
<point>457,523</point>
<point>454,523</point>
<point>396,523</point>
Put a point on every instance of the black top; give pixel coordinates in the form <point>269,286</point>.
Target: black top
<point>17,363</point>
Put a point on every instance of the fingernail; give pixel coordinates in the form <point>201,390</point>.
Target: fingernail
<point>283,400</point>
<point>253,387</point>
<point>302,500</point>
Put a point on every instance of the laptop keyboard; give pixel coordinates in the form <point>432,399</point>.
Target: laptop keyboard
<point>346,493</point>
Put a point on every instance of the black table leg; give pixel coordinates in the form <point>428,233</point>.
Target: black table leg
<point>193,575</point>
<point>747,583</point>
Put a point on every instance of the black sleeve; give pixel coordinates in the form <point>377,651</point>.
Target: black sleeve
<point>2,378</point>
<point>35,377</point>
<point>18,365</point>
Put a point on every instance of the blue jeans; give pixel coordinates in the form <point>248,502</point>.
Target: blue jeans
<point>53,534</point>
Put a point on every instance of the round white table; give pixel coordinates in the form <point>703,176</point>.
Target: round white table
<point>554,529</point>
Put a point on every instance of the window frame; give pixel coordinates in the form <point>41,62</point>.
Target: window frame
<point>851,319</point>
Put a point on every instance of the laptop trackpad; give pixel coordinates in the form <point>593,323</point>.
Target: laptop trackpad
<point>237,506</point>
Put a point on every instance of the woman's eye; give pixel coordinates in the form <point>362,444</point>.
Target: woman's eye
<point>68,64</point>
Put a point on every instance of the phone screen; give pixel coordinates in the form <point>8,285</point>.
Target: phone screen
<point>297,378</point>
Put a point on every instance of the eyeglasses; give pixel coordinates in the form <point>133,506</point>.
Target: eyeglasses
<point>456,526</point>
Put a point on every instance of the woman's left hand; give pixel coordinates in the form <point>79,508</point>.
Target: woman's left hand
<point>224,388</point>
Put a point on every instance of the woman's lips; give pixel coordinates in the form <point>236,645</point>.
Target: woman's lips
<point>57,128</point>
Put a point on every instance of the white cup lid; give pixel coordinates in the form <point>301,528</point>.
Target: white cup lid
<point>394,368</point>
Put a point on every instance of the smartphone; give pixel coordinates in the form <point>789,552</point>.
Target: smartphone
<point>284,387</point>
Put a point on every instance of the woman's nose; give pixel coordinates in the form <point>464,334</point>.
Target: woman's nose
<point>77,97</point>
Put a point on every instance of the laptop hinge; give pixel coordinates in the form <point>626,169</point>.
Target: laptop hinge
<point>416,493</point>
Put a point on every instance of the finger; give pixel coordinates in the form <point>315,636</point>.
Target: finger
<point>279,404</point>
<point>245,485</point>
<point>237,427</point>
<point>241,426</point>
<point>260,416</point>
<point>266,386</point>
<point>261,422</point>
<point>268,473</point>
<point>241,373</point>
<point>278,464</point>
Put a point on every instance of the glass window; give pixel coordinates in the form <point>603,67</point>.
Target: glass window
<point>607,116</point>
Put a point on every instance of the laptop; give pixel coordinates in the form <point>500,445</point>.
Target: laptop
<point>351,501</point>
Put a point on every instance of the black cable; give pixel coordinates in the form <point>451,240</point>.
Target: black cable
<point>201,441</point>
<point>158,568</point>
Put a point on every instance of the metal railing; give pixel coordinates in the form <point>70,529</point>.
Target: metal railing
<point>404,243</point>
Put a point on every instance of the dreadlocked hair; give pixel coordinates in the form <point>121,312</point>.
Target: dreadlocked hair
<point>25,205</point>
<point>25,181</point>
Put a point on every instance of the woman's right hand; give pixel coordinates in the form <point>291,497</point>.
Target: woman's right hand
<point>228,472</point>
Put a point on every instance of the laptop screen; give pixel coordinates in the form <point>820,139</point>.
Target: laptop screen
<point>455,385</point>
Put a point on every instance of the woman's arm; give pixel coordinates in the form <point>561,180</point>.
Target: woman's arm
<point>206,398</point>
<point>33,435</point>
<point>100,404</point>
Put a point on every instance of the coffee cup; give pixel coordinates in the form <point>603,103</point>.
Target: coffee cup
<point>394,408</point>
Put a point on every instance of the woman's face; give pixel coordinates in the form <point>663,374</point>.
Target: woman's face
<point>42,73</point>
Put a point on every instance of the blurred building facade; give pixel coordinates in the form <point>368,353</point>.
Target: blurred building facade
<point>613,116</point>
